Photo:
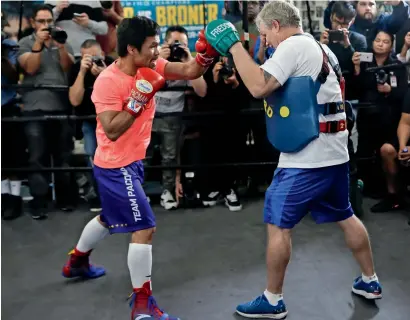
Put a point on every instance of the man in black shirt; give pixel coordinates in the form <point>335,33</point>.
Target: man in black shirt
<point>82,77</point>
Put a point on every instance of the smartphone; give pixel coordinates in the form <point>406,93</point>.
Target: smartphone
<point>336,35</point>
<point>366,56</point>
<point>77,14</point>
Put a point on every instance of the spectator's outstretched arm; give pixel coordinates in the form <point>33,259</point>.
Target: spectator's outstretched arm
<point>393,22</point>
<point>100,28</point>
<point>115,14</point>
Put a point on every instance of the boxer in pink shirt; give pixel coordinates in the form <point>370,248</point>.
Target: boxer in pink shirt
<point>125,110</point>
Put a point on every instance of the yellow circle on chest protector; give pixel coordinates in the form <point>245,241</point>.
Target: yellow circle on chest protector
<point>284,112</point>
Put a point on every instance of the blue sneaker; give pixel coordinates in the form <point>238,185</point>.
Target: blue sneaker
<point>261,308</point>
<point>372,290</point>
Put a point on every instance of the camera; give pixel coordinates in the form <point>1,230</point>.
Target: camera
<point>58,35</point>
<point>336,36</point>
<point>227,69</point>
<point>98,61</point>
<point>106,4</point>
<point>177,52</point>
<point>381,76</point>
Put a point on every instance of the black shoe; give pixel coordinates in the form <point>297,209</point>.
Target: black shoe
<point>211,199</point>
<point>38,214</point>
<point>391,203</point>
<point>12,206</point>
<point>38,208</point>
<point>95,204</point>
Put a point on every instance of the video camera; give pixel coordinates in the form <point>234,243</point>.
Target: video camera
<point>381,77</point>
<point>227,69</point>
<point>177,52</point>
<point>58,35</point>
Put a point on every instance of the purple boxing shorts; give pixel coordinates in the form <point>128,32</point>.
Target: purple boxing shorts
<point>125,207</point>
<point>294,192</point>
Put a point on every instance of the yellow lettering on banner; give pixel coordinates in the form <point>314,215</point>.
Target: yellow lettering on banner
<point>212,12</point>
<point>201,14</point>
<point>182,15</point>
<point>161,16</point>
<point>128,12</point>
<point>193,17</point>
<point>172,15</point>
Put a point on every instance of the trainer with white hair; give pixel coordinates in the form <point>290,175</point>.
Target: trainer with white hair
<point>306,121</point>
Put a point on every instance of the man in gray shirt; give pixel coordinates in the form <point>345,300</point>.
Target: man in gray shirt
<point>169,128</point>
<point>46,61</point>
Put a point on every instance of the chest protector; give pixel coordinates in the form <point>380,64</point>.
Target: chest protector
<point>292,114</point>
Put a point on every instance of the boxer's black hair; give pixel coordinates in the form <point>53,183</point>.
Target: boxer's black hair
<point>133,32</point>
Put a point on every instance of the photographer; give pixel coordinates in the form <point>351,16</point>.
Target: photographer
<point>45,58</point>
<point>12,138</point>
<point>369,22</point>
<point>343,42</point>
<point>396,149</point>
<point>81,80</point>
<point>223,136</point>
<point>378,124</point>
<point>168,128</point>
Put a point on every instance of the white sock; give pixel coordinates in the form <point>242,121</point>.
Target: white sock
<point>5,186</point>
<point>272,297</point>
<point>369,279</point>
<point>93,233</point>
<point>15,187</point>
<point>140,263</point>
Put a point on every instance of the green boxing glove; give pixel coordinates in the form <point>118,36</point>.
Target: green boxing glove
<point>222,35</point>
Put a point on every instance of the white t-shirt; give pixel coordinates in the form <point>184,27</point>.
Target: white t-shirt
<point>302,56</point>
<point>171,101</point>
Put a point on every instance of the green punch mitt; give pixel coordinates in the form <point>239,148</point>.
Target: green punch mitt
<point>221,35</point>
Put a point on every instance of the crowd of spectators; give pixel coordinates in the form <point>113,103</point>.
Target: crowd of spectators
<point>372,49</point>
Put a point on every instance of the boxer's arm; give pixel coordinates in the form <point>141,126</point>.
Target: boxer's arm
<point>259,82</point>
<point>115,123</point>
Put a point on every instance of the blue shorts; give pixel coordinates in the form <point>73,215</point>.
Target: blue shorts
<point>125,207</point>
<point>294,192</point>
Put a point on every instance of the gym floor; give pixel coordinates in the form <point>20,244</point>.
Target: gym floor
<point>206,261</point>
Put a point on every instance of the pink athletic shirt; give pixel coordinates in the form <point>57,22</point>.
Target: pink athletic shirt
<point>111,92</point>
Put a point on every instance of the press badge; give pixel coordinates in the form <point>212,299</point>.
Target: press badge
<point>393,80</point>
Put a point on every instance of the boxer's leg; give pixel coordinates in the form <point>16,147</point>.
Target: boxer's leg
<point>337,208</point>
<point>78,264</point>
<point>137,217</point>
